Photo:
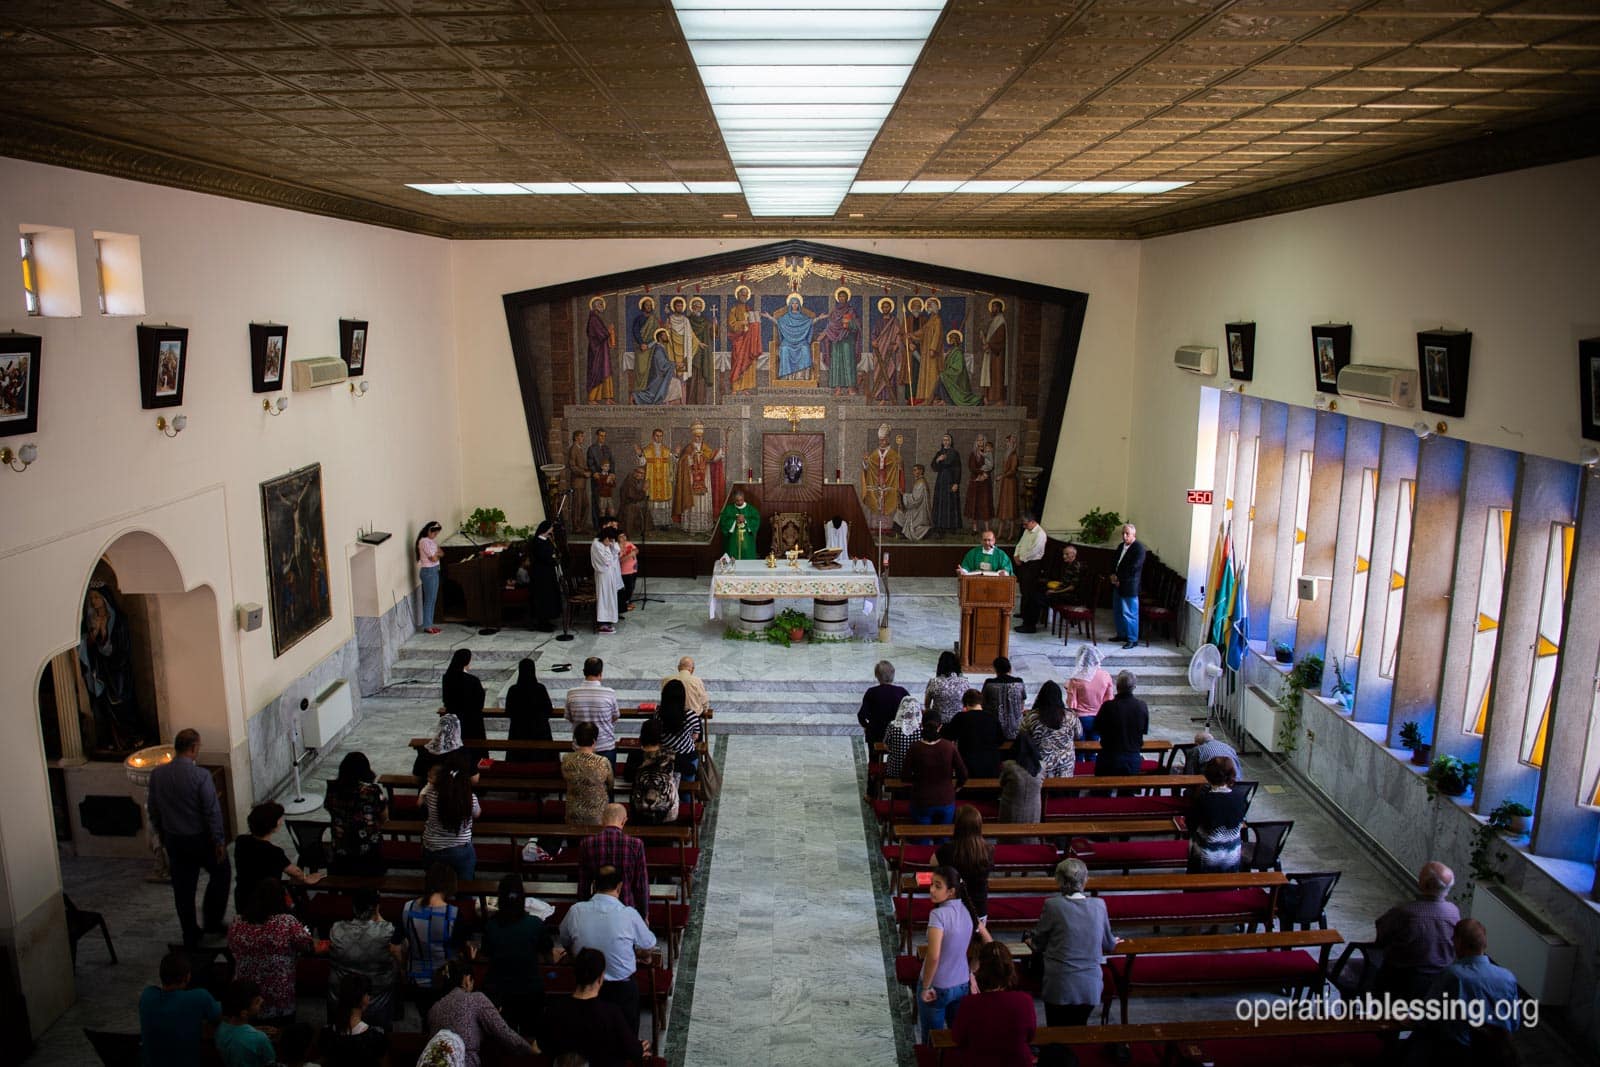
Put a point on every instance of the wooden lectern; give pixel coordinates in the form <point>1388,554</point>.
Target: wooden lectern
<point>986,601</point>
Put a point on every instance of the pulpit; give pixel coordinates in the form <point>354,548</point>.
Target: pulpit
<point>986,603</point>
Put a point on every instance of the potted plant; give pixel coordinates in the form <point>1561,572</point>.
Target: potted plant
<point>484,521</point>
<point>1282,652</point>
<point>1343,691</point>
<point>1451,776</point>
<point>1512,816</point>
<point>1098,526</point>
<point>1411,737</point>
<point>788,626</point>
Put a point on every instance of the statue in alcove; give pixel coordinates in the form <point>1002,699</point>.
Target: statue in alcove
<point>105,656</point>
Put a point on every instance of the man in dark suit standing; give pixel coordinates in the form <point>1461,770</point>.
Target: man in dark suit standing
<point>1129,565</point>
<point>1123,721</point>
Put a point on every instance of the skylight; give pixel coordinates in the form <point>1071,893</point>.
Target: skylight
<point>800,88</point>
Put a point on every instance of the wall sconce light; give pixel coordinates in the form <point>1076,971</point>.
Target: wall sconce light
<point>174,427</point>
<point>1588,456</point>
<point>1422,430</point>
<point>359,389</point>
<point>24,455</point>
<point>1441,427</point>
<point>275,409</point>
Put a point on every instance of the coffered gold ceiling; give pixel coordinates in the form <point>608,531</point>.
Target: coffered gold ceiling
<point>333,105</point>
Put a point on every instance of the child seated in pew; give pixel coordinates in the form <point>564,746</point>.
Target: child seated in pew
<point>238,1043</point>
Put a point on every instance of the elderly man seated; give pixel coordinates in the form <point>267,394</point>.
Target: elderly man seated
<point>1491,1008</point>
<point>1207,748</point>
<point>1416,937</point>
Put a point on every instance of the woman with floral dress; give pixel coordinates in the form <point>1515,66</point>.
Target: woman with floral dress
<point>357,809</point>
<point>1053,731</point>
<point>945,688</point>
<point>265,940</point>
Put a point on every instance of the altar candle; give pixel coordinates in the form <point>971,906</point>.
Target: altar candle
<point>838,475</point>
<point>749,474</point>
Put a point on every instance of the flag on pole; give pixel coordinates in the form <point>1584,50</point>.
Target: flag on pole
<point>1217,625</point>
<point>1214,573</point>
<point>1239,635</point>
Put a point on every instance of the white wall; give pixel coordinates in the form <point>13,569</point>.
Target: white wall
<point>1091,463</point>
<point>391,459</point>
<point>1514,258</point>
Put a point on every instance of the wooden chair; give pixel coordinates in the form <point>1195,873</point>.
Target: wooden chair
<point>80,923</point>
<point>1162,609</point>
<point>1079,615</point>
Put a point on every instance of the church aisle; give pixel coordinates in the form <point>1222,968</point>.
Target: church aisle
<point>790,968</point>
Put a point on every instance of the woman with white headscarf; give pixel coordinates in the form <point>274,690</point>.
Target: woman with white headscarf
<point>1089,687</point>
<point>904,728</point>
<point>446,1049</point>
<point>446,740</point>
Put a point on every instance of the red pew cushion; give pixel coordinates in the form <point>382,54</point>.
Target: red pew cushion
<point>1216,968</point>
<point>1209,905</point>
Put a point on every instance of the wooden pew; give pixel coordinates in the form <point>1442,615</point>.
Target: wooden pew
<point>1011,851</point>
<point>558,711</point>
<point>1222,1042</point>
<point>1267,962</point>
<point>1244,897</point>
<point>503,744</point>
<point>673,846</point>
<point>1060,797</point>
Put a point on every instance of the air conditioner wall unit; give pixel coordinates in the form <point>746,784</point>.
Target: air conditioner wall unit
<point>1394,386</point>
<point>318,373</point>
<point>1196,359</point>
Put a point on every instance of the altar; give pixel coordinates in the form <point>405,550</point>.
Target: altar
<point>757,587</point>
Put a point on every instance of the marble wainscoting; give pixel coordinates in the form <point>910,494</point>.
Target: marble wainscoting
<point>379,640</point>
<point>269,729</point>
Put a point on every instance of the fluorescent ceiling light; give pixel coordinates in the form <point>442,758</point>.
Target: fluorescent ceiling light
<point>498,189</point>
<point>877,187</point>
<point>713,188</point>
<point>802,76</point>
<point>659,187</point>
<point>1043,187</point>
<point>1152,187</point>
<point>1096,187</point>
<point>801,94</point>
<point>606,188</point>
<point>550,188</point>
<point>839,50</point>
<point>440,188</point>
<point>986,187</point>
<point>932,187</point>
<point>803,82</point>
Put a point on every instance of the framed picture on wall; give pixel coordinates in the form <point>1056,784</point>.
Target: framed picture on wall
<point>297,555</point>
<point>1442,363</point>
<point>1241,348</point>
<point>19,383</point>
<point>1588,386</point>
<point>163,364</point>
<point>353,345</point>
<point>269,352</point>
<point>1330,353</point>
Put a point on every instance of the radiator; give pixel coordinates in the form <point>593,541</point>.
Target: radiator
<point>1523,945</point>
<point>328,714</point>
<point>1259,714</point>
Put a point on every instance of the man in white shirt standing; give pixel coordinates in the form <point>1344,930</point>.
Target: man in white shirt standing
<point>594,702</point>
<point>1029,558</point>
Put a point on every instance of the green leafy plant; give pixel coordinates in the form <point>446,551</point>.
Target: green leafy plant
<point>1343,691</point>
<point>1307,674</point>
<point>1450,775</point>
<point>1411,735</point>
<point>516,533</point>
<point>780,630</point>
<point>1098,525</point>
<point>483,521</point>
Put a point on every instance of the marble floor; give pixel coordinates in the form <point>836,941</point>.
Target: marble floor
<point>786,959</point>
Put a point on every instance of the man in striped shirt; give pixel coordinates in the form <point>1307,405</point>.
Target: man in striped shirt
<point>596,703</point>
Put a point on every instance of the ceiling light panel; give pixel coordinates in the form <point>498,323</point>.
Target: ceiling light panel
<point>800,88</point>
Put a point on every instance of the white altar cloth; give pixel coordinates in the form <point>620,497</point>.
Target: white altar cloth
<point>752,579</point>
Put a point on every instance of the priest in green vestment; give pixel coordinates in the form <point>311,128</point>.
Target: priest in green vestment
<point>739,522</point>
<point>986,559</point>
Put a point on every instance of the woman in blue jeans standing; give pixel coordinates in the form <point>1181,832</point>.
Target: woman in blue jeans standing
<point>935,771</point>
<point>451,807</point>
<point>428,556</point>
<point>945,977</point>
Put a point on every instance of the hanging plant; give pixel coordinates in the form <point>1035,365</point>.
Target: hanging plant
<point>1307,674</point>
<point>1098,525</point>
